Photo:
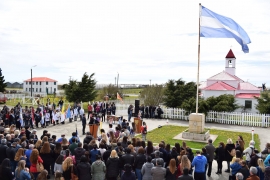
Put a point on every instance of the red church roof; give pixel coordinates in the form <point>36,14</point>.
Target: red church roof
<point>219,86</point>
<point>230,54</point>
<point>40,79</point>
<point>247,95</point>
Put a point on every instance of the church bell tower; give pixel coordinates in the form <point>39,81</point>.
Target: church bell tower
<point>230,63</point>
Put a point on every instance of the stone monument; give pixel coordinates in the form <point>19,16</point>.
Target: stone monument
<point>196,128</point>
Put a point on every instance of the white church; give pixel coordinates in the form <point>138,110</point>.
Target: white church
<point>226,82</point>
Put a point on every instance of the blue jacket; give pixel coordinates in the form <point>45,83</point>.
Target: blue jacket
<point>266,161</point>
<point>28,153</point>
<point>23,175</point>
<point>93,154</point>
<point>199,162</point>
<point>235,167</point>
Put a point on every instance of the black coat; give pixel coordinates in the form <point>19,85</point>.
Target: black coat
<point>78,152</point>
<point>47,158</point>
<point>139,161</point>
<point>6,174</point>
<point>245,172</point>
<point>84,171</point>
<point>106,155</point>
<point>127,159</point>
<point>169,175</point>
<point>220,153</point>
<point>112,166</point>
<point>10,152</point>
<point>228,149</point>
<point>3,154</point>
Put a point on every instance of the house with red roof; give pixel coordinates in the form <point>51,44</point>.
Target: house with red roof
<point>40,85</point>
<point>226,82</point>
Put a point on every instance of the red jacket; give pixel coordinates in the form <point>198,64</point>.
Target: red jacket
<point>33,167</point>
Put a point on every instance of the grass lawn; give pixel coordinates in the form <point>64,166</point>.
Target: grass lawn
<point>167,133</point>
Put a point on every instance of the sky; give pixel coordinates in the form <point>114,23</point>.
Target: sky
<point>141,40</point>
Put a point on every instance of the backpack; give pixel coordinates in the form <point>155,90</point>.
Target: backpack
<point>144,130</point>
<point>252,152</point>
<point>232,153</point>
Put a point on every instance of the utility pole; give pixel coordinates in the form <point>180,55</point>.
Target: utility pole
<point>117,78</point>
<point>150,82</point>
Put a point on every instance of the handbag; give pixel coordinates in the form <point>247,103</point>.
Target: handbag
<point>73,176</point>
<point>39,167</point>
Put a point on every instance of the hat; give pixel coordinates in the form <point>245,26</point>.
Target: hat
<point>62,135</point>
<point>34,130</point>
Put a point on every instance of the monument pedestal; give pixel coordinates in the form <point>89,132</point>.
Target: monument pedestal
<point>196,128</point>
<point>196,123</point>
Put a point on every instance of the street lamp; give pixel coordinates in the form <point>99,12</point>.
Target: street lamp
<point>32,82</point>
<point>117,78</point>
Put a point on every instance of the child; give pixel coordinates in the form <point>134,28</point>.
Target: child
<point>47,117</point>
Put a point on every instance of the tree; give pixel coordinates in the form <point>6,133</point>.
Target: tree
<point>222,103</point>
<point>176,92</point>
<point>81,91</point>
<point>225,102</point>
<point>111,91</point>
<point>263,105</point>
<point>3,85</point>
<point>152,95</point>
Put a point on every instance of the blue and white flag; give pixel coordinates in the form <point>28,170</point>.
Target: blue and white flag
<point>214,25</point>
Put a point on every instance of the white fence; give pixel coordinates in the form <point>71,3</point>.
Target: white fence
<point>231,118</point>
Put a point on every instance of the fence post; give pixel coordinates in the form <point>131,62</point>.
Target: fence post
<point>242,120</point>
<point>263,120</point>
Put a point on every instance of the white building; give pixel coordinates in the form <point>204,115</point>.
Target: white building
<point>226,82</point>
<point>40,85</point>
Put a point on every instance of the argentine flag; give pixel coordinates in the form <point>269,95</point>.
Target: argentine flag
<point>214,25</point>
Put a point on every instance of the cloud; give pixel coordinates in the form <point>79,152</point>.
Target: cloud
<point>140,40</point>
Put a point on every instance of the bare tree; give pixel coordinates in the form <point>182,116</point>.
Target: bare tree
<point>153,95</point>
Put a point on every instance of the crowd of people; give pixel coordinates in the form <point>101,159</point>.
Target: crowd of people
<point>118,154</point>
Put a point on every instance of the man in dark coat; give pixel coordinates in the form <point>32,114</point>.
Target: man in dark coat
<point>78,152</point>
<point>185,175</point>
<point>127,159</point>
<point>3,148</point>
<point>83,124</point>
<point>210,149</point>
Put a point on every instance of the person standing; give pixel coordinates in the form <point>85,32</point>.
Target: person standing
<point>199,163</point>
<point>130,110</point>
<point>158,172</point>
<point>210,149</point>
<point>90,109</point>
<point>83,124</point>
<point>159,112</point>
<point>144,131</point>
<point>220,155</point>
<point>60,103</point>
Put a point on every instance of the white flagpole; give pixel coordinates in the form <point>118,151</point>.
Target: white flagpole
<point>198,70</point>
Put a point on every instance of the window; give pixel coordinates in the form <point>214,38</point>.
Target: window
<point>25,89</point>
<point>54,83</point>
<point>36,83</point>
<point>30,89</point>
<point>36,89</point>
<point>26,82</point>
<point>54,89</point>
<point>40,83</point>
<point>39,89</point>
<point>47,83</point>
<point>248,104</point>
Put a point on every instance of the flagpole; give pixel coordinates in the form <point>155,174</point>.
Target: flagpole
<point>198,70</point>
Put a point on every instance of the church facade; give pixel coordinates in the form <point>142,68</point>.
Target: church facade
<point>226,82</point>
